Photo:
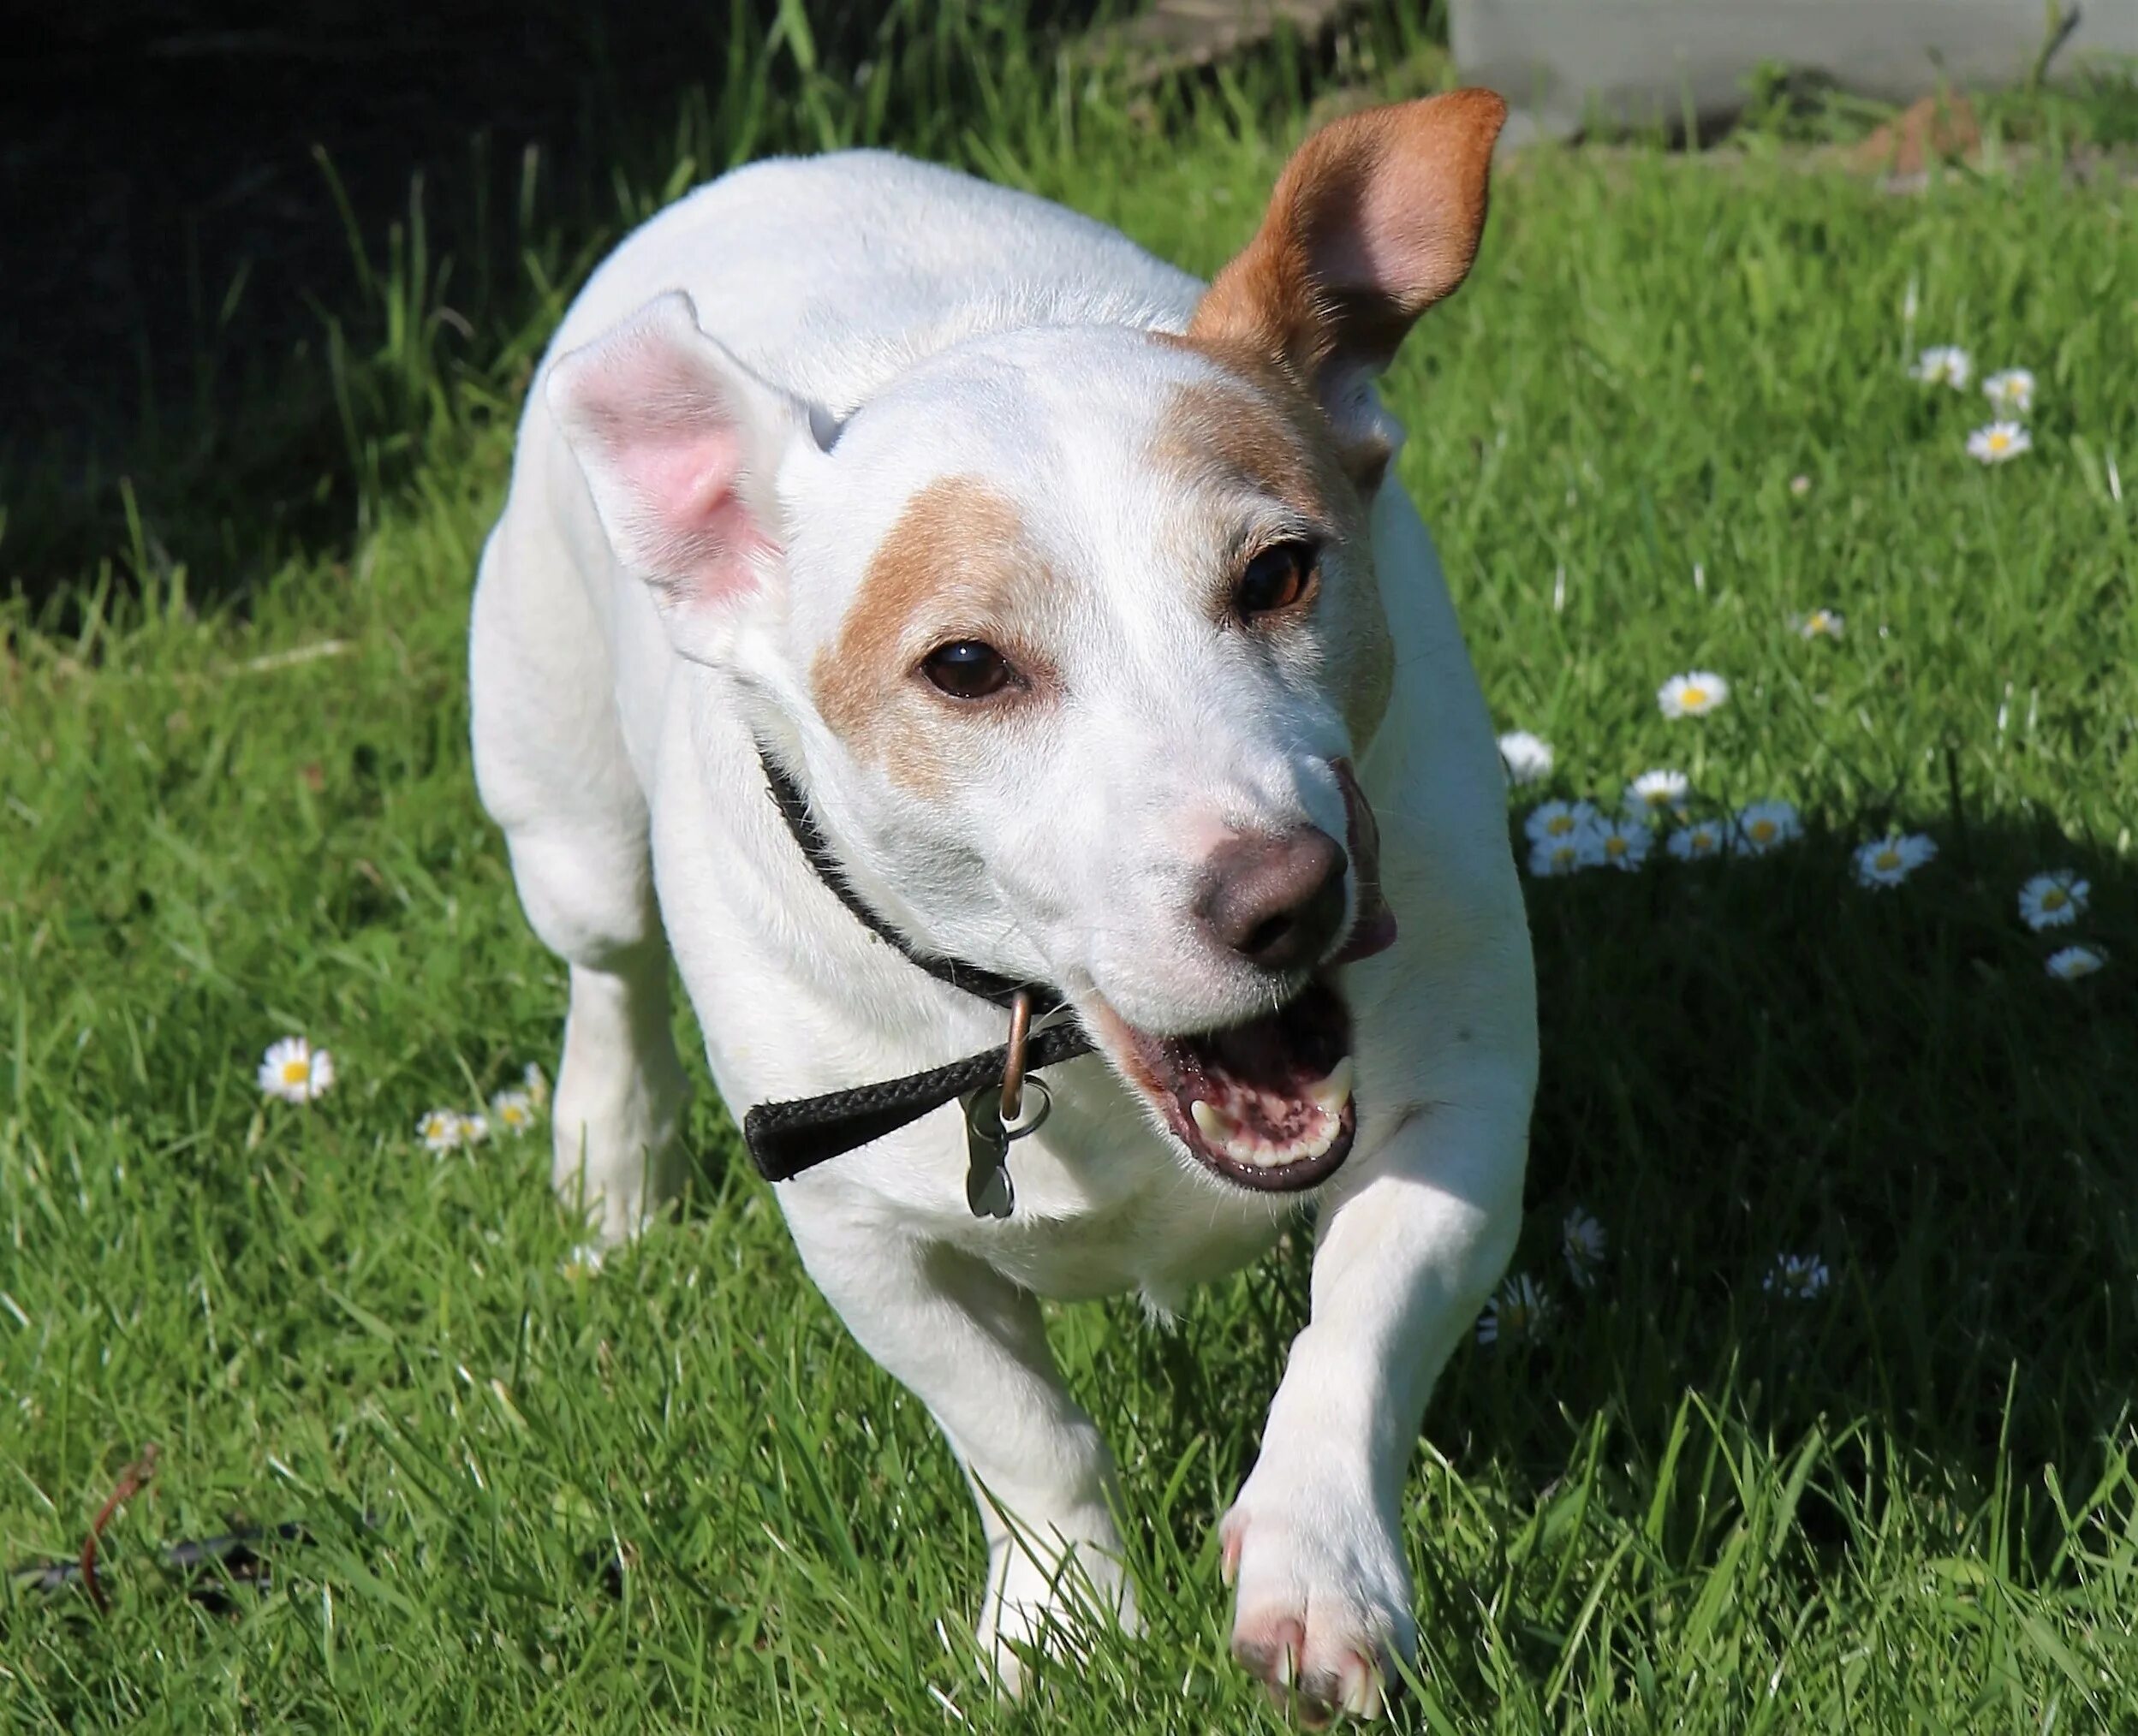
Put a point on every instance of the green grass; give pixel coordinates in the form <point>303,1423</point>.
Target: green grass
<point>1908,1504</point>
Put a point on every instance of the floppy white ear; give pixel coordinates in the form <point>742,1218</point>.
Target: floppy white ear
<point>681,446</point>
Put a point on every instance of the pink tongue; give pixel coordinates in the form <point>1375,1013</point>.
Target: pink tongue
<point>1279,1119</point>
<point>1257,1076</point>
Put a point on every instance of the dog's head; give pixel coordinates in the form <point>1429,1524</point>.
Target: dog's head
<point>1077,629</point>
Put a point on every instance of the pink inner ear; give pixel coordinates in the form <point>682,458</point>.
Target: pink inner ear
<point>1375,218</point>
<point>1406,240</point>
<point>662,433</point>
<point>689,520</point>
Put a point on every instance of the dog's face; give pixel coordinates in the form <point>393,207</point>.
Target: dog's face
<point>1078,628</point>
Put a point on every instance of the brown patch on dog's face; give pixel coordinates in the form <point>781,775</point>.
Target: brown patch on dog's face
<point>1359,460</point>
<point>1249,436</point>
<point>946,570</point>
<point>1257,433</point>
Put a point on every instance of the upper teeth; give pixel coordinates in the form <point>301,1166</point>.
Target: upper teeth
<point>1232,1138</point>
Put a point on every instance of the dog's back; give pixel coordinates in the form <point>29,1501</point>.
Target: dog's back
<point>831,276</point>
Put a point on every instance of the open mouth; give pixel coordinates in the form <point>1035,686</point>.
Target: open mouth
<point>1266,1104</point>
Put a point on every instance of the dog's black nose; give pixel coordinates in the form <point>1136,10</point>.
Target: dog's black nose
<point>1276,900</point>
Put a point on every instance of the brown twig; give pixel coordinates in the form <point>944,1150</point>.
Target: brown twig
<point>131,1481</point>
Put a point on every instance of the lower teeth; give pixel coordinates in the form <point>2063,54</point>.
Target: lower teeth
<point>1231,1137</point>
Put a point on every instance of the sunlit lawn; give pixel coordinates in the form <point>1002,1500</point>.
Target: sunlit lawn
<point>1685,1500</point>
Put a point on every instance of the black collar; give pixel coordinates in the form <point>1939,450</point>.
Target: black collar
<point>786,1139</point>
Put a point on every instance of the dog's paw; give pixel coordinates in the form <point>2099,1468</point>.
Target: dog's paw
<point>1041,1604</point>
<point>1322,1598</point>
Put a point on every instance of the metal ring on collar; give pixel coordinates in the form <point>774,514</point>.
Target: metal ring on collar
<point>1036,1102</point>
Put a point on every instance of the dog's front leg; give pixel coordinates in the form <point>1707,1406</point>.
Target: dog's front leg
<point>1402,1262</point>
<point>971,1346</point>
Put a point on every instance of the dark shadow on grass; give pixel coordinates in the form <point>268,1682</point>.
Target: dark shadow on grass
<point>1761,1057</point>
<point>1745,1059</point>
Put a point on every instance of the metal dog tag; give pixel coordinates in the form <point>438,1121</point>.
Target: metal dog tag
<point>987,1189</point>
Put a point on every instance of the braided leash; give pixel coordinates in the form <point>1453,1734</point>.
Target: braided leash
<point>787,1139</point>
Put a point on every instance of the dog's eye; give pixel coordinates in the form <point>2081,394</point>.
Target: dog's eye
<point>967,669</point>
<point>1281,576</point>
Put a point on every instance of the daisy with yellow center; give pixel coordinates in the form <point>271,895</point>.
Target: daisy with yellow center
<point>1516,1315</point>
<point>2010,392</point>
<point>1888,861</point>
<point>1622,842</point>
<point>1550,858</point>
<point>1797,1277</point>
<point>1943,364</point>
<point>1549,821</point>
<point>1658,792</point>
<point>1528,757</point>
<point>1695,842</point>
<point>442,1131</point>
<point>1999,442</point>
<point>1821,623</point>
<point>1765,826</point>
<point>513,1111</point>
<point>583,1261</point>
<point>2073,962</point>
<point>536,1084</point>
<point>295,1072</point>
<point>2054,900</point>
<point>1582,1240</point>
<point>1694,694</point>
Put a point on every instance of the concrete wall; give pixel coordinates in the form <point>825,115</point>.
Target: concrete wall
<point>1640,62</point>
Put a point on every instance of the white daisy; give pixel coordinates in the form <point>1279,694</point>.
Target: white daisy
<point>583,1261</point>
<point>2010,393</point>
<point>442,1131</point>
<point>1622,841</point>
<point>1694,694</point>
<point>1569,853</point>
<point>1888,861</point>
<point>1516,1315</point>
<point>513,1111</point>
<point>1658,792</point>
<point>475,1129</point>
<point>537,1087</point>
<point>1999,442</point>
<point>2054,900</point>
<point>2074,962</point>
<point>1765,826</point>
<point>295,1072</point>
<point>1821,623</point>
<point>1799,1277</point>
<point>1800,485</point>
<point>1582,1240</point>
<point>1943,364</point>
<point>1695,840</point>
<point>1528,757</point>
<point>1549,821</point>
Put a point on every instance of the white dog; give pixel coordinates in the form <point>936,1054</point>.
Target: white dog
<point>891,557</point>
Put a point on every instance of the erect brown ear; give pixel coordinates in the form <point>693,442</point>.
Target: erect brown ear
<point>1376,218</point>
